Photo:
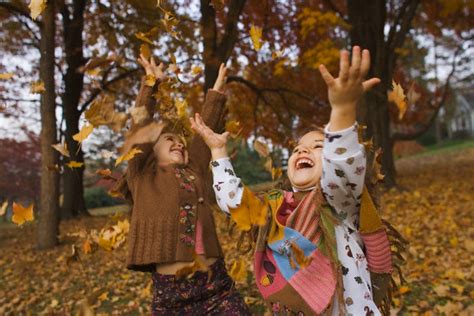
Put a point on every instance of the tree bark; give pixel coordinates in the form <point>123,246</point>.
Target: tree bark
<point>48,224</point>
<point>73,188</point>
<point>368,20</point>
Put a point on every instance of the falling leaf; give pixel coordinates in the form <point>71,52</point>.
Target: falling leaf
<point>6,76</point>
<point>377,167</point>
<point>181,107</point>
<point>150,80</point>
<point>36,7</point>
<point>105,173</point>
<point>3,208</point>
<point>233,127</point>
<point>276,173</point>
<point>261,148</point>
<point>62,148</point>
<point>397,96</point>
<point>145,51</point>
<point>412,95</point>
<point>94,65</point>
<point>37,87</point>
<point>139,114</point>
<point>256,36</point>
<point>22,214</point>
<point>268,166</point>
<point>86,130</point>
<point>74,164</point>
<point>94,72</point>
<point>277,54</point>
<point>238,270</point>
<point>196,70</point>
<point>126,157</point>
<point>143,37</point>
<point>106,154</point>
<point>404,289</point>
<point>102,112</point>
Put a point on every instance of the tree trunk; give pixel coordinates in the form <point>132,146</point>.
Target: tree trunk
<point>48,224</point>
<point>73,188</point>
<point>368,21</point>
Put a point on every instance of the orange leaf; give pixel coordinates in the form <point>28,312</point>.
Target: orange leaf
<point>127,156</point>
<point>397,96</point>
<point>74,164</point>
<point>22,214</point>
<point>86,130</point>
<point>87,247</point>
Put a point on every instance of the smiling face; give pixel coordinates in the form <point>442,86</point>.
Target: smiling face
<point>305,163</point>
<point>170,149</point>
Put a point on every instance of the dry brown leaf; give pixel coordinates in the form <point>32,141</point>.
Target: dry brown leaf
<point>256,36</point>
<point>62,148</point>
<point>261,148</point>
<point>397,96</point>
<point>37,87</point>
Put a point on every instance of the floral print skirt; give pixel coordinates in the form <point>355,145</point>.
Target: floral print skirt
<point>203,294</point>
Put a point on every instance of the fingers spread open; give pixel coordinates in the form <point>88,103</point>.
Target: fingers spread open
<point>354,70</point>
<point>369,84</point>
<point>344,66</point>
<point>365,64</point>
<point>326,75</point>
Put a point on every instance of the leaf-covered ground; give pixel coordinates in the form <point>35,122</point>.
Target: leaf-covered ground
<point>433,209</point>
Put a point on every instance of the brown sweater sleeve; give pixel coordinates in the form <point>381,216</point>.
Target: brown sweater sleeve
<point>212,113</point>
<point>137,164</point>
<point>145,98</point>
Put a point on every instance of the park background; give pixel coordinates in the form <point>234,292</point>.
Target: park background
<point>68,76</point>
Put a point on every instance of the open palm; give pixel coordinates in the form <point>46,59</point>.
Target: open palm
<point>213,140</point>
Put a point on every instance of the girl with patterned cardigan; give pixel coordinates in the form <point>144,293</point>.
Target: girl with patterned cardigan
<point>309,257</point>
<point>172,230</point>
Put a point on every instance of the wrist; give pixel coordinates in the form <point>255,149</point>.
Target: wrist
<point>218,153</point>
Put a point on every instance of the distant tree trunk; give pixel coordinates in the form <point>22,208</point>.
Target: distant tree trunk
<point>218,51</point>
<point>73,188</point>
<point>48,224</point>
<point>368,20</point>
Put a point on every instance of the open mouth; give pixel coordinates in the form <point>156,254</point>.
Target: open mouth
<point>178,151</point>
<point>304,163</point>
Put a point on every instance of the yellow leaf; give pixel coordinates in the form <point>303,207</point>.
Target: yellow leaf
<point>95,72</point>
<point>261,148</point>
<point>276,173</point>
<point>181,107</point>
<point>6,76</point>
<point>143,37</point>
<point>74,164</point>
<point>268,166</point>
<point>404,289</point>
<point>150,80</point>
<point>22,214</point>
<point>196,70</point>
<point>86,130</point>
<point>3,208</point>
<point>124,225</point>
<point>62,148</point>
<point>104,296</point>
<point>87,247</point>
<point>277,54</point>
<point>233,127</point>
<point>54,303</point>
<point>256,36</point>
<point>37,87</point>
<point>397,96</point>
<point>102,112</point>
<point>453,242</point>
<point>131,153</point>
<point>145,51</point>
<point>139,114</point>
<point>36,7</point>
<point>238,270</point>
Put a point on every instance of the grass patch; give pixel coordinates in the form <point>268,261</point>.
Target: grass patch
<point>446,147</point>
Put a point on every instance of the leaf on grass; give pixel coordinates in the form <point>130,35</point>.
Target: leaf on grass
<point>62,148</point>
<point>397,96</point>
<point>22,214</point>
<point>36,7</point>
<point>85,131</point>
<point>127,156</point>
<point>87,247</point>
<point>256,36</point>
<point>238,270</point>
<point>261,148</point>
<point>6,76</point>
<point>37,87</point>
<point>3,208</point>
<point>74,164</point>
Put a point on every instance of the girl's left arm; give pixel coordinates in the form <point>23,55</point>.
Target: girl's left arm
<point>212,114</point>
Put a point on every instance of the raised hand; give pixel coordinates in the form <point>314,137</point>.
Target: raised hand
<point>349,86</point>
<point>151,68</point>
<point>221,79</point>
<point>345,91</point>
<point>216,142</point>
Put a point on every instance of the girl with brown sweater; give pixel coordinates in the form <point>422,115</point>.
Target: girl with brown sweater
<point>172,231</point>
